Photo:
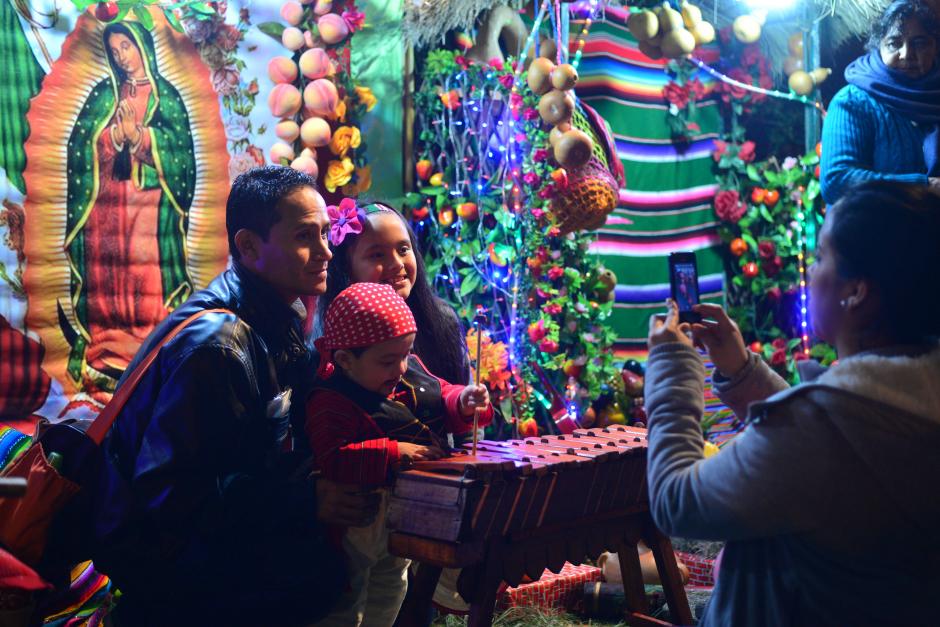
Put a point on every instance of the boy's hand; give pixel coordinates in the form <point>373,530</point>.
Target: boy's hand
<point>409,453</point>
<point>473,397</point>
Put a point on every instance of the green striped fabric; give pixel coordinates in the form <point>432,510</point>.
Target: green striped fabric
<point>20,77</point>
<point>667,202</point>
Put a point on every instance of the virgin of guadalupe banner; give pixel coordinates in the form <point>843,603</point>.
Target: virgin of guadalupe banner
<point>126,179</point>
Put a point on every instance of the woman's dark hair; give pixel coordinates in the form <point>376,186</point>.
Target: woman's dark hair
<point>899,12</point>
<point>888,233</point>
<point>121,170</point>
<point>252,202</point>
<point>440,340</point>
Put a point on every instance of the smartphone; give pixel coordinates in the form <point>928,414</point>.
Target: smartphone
<point>683,280</point>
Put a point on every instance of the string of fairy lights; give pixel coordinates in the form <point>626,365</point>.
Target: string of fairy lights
<point>801,260</point>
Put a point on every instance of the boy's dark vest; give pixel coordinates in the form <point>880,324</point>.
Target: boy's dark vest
<point>414,412</point>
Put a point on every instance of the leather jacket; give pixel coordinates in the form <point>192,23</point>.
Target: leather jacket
<point>200,514</point>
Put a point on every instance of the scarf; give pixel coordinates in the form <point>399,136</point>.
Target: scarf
<point>917,99</point>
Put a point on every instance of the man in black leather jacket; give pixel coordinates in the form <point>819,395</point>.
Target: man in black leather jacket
<point>201,514</point>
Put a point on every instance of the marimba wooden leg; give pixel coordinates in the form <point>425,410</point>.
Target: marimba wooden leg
<point>479,585</point>
<point>669,574</point>
<point>416,608</point>
<point>632,577</point>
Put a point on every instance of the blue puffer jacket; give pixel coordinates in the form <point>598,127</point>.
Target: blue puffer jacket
<point>199,515</point>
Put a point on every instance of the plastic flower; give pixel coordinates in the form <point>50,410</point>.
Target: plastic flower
<point>354,20</point>
<point>362,184</point>
<point>494,360</point>
<point>338,173</point>
<point>344,138</point>
<point>451,99</point>
<point>344,220</point>
<point>340,111</point>
<point>746,151</point>
<point>366,97</point>
<point>728,206</point>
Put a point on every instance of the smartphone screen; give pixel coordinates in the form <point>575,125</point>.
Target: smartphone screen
<point>683,279</point>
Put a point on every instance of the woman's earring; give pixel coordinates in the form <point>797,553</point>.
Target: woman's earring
<point>842,303</point>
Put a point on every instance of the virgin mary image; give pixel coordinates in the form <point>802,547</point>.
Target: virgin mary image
<point>126,179</point>
<point>131,177</point>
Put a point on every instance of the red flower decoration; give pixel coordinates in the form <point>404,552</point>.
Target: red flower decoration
<point>552,309</point>
<point>496,64</point>
<point>772,266</point>
<point>720,149</point>
<point>540,155</point>
<point>506,80</point>
<point>779,358</point>
<point>547,192</point>
<point>675,94</point>
<point>800,356</point>
<point>528,114</point>
<point>728,206</point>
<point>766,249</point>
<point>779,343</point>
<point>746,151</point>
<point>696,89</point>
<point>354,20</point>
<point>556,272</point>
<point>462,61</point>
<point>537,213</point>
<point>531,178</point>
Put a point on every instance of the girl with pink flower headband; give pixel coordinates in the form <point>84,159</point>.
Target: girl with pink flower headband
<point>373,242</point>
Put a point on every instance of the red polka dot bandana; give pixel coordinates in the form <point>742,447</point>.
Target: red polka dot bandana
<point>362,315</point>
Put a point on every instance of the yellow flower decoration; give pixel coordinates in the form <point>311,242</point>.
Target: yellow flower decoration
<point>494,360</point>
<point>362,184</point>
<point>340,111</point>
<point>344,138</point>
<point>366,97</point>
<point>338,173</point>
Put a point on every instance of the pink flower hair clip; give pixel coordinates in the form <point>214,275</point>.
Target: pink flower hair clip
<point>345,219</point>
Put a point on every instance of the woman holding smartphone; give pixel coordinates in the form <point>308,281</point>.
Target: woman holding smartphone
<point>830,492</point>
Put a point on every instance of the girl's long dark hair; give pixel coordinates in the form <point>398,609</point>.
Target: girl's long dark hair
<point>440,339</point>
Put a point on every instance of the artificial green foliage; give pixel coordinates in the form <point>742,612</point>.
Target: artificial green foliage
<point>482,210</point>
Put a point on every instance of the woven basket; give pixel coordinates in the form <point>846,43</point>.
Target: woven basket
<point>590,197</point>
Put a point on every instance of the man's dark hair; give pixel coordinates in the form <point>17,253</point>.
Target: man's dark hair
<point>252,203</point>
<point>899,12</point>
<point>888,233</point>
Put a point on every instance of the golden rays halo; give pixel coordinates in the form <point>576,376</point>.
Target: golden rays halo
<point>52,116</point>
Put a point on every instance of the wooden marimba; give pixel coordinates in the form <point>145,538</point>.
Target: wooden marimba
<point>520,506</point>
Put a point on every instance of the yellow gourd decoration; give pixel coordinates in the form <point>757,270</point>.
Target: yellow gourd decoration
<point>665,32</point>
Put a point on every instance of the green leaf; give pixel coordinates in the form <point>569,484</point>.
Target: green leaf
<point>753,174</point>
<point>203,8</point>
<point>273,30</point>
<point>146,20</point>
<point>751,242</point>
<point>470,284</point>
<point>765,214</point>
